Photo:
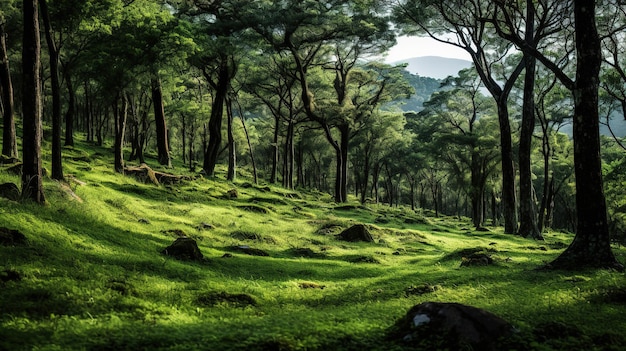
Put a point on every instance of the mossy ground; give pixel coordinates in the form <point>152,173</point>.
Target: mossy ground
<point>92,277</point>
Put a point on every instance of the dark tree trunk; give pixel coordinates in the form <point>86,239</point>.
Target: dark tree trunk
<point>250,150</point>
<point>275,153</point>
<point>215,121</point>
<point>477,190</point>
<point>232,155</point>
<point>69,114</point>
<point>528,211</point>
<point>120,115</point>
<point>53,52</point>
<point>509,200</point>
<point>163,150</point>
<point>345,140</point>
<point>591,246</point>
<point>9,138</point>
<point>32,180</point>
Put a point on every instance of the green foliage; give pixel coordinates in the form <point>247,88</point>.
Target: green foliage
<point>91,275</point>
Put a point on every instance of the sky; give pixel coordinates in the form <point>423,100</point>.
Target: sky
<point>408,47</point>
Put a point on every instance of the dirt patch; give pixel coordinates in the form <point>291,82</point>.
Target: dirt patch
<point>222,297</point>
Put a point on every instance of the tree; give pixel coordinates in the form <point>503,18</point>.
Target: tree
<point>465,20</point>
<point>591,246</point>
<point>53,55</point>
<point>464,115</point>
<point>32,178</point>
<point>315,29</point>
<point>9,139</point>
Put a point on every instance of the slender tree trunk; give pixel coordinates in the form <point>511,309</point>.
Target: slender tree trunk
<point>591,246</point>
<point>9,138</point>
<point>163,150</point>
<point>232,155</point>
<point>120,115</point>
<point>275,153</point>
<point>69,114</point>
<point>32,179</point>
<point>53,52</point>
<point>250,150</point>
<point>476,193</point>
<point>528,211</point>
<point>345,141</point>
<point>215,121</point>
<point>509,201</point>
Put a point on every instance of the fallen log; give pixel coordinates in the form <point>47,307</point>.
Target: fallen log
<point>145,174</point>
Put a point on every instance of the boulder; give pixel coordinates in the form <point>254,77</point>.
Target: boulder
<point>437,325</point>
<point>184,248</point>
<point>10,191</point>
<point>357,232</point>
<point>11,237</point>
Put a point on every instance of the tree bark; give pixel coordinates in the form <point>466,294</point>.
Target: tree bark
<point>53,53</point>
<point>591,246</point>
<point>69,114</point>
<point>121,115</point>
<point>32,180</point>
<point>163,150</point>
<point>232,155</point>
<point>9,138</point>
<point>528,211</point>
<point>509,199</point>
<point>215,122</point>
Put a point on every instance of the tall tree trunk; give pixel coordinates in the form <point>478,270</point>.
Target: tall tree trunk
<point>120,115</point>
<point>275,152</point>
<point>232,155</point>
<point>53,53</point>
<point>163,150</point>
<point>345,140</point>
<point>591,246</point>
<point>69,114</point>
<point>527,210</point>
<point>215,121</point>
<point>477,190</point>
<point>250,149</point>
<point>509,200</point>
<point>9,138</point>
<point>32,180</point>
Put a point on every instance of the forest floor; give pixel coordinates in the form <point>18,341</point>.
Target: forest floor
<point>91,275</point>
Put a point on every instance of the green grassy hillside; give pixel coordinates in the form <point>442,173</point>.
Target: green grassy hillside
<point>92,276</point>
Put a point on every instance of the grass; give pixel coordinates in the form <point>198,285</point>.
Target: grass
<point>92,277</point>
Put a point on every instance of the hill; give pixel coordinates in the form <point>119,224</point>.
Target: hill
<point>92,272</point>
<point>435,66</point>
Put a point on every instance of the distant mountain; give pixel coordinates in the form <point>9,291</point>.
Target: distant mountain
<point>435,66</point>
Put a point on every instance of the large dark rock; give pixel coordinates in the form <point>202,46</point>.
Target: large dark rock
<point>11,237</point>
<point>437,325</point>
<point>184,248</point>
<point>357,232</point>
<point>9,191</point>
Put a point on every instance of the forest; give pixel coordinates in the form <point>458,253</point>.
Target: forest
<point>260,136</point>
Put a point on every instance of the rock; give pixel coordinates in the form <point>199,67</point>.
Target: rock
<point>205,226</point>
<point>451,326</point>
<point>476,259</point>
<point>10,191</point>
<point>184,248</point>
<point>10,237</point>
<point>357,232</point>
<point>232,194</point>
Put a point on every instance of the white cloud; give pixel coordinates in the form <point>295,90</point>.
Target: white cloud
<point>409,47</point>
